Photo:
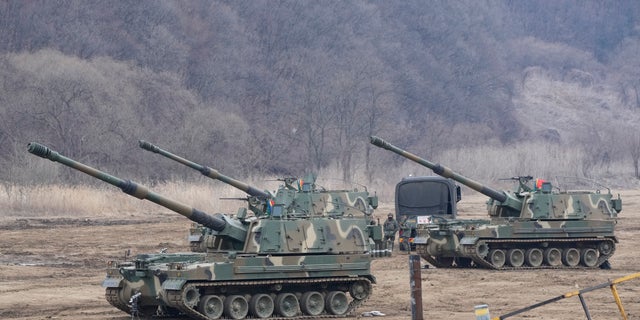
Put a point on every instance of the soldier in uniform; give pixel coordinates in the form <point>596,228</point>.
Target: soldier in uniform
<point>390,228</point>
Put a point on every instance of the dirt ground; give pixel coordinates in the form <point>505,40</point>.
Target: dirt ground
<point>53,268</point>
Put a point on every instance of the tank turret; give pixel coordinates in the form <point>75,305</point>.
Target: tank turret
<point>531,227</point>
<point>275,265</point>
<point>296,197</point>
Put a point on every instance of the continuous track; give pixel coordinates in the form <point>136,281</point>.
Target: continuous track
<point>523,244</point>
<point>190,310</point>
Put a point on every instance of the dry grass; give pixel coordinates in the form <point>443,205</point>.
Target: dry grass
<point>62,201</point>
<point>486,164</point>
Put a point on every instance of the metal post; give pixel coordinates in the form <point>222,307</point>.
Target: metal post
<point>584,306</point>
<point>618,301</point>
<point>582,301</point>
<point>416,287</point>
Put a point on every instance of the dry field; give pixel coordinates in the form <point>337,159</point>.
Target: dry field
<point>51,268</point>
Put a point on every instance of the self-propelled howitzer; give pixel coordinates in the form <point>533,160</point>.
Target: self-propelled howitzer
<point>530,227</point>
<point>266,267</point>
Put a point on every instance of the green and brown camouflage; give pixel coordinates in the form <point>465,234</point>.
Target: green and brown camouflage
<point>295,196</point>
<point>277,265</point>
<point>532,226</point>
<point>300,198</point>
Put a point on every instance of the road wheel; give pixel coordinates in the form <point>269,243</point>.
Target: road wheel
<point>211,306</point>
<point>337,303</point>
<point>236,307</point>
<point>497,257</point>
<point>553,257</point>
<point>589,257</point>
<point>533,257</point>
<point>261,305</point>
<point>515,257</point>
<point>287,305</point>
<point>312,303</point>
<point>571,257</point>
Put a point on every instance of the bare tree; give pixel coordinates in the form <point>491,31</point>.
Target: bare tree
<point>633,145</point>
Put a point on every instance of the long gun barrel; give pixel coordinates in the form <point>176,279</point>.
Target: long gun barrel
<point>442,170</point>
<point>217,222</point>
<point>206,171</point>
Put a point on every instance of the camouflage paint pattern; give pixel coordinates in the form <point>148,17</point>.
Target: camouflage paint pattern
<point>533,226</point>
<point>299,198</point>
<point>152,274</point>
<point>280,263</point>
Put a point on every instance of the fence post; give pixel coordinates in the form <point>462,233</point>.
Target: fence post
<point>416,287</point>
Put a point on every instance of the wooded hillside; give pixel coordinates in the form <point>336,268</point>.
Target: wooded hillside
<point>279,88</point>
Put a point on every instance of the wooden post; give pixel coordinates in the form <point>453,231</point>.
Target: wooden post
<point>416,287</point>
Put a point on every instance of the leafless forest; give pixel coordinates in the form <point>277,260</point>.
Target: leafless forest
<point>265,89</point>
<point>278,88</point>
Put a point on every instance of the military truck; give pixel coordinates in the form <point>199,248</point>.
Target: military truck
<point>284,264</point>
<point>418,199</point>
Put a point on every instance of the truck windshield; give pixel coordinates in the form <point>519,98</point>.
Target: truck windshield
<point>424,198</point>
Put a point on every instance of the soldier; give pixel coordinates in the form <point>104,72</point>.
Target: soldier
<point>390,228</point>
<point>405,235</point>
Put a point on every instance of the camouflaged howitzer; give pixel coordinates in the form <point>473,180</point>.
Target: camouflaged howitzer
<point>274,266</point>
<point>296,198</point>
<point>529,227</point>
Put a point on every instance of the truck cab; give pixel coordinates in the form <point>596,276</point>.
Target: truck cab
<point>420,198</point>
